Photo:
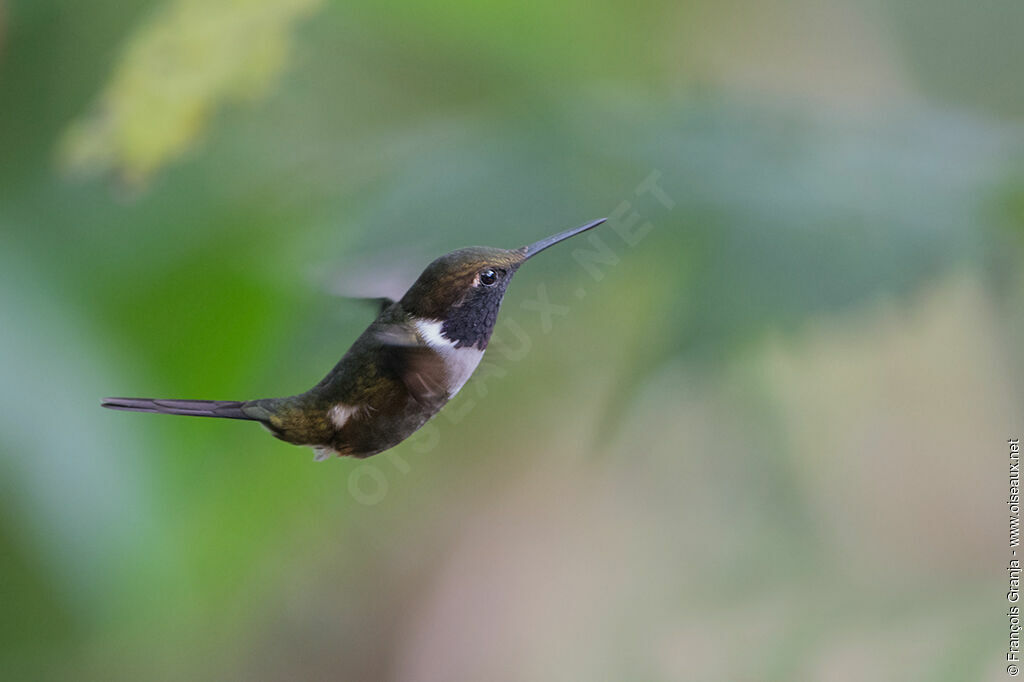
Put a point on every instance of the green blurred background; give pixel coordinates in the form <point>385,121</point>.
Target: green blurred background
<point>763,439</point>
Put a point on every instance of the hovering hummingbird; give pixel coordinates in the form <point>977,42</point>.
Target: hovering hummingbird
<point>408,363</point>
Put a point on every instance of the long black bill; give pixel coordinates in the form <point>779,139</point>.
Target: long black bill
<point>533,249</point>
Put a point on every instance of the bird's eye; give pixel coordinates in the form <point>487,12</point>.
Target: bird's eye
<point>488,277</point>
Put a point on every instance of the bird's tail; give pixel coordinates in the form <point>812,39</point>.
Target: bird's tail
<point>225,409</point>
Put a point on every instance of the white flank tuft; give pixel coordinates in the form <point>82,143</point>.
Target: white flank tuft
<point>340,414</point>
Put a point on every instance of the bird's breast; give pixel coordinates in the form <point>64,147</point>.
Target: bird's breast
<point>460,363</point>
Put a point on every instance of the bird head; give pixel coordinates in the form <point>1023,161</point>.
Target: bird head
<point>463,289</point>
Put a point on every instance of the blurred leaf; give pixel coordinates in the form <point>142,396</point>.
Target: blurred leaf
<point>190,58</point>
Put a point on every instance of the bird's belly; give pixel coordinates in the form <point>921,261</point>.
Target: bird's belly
<point>372,432</point>
<point>371,424</point>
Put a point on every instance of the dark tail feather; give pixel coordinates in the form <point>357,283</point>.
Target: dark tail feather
<point>225,409</point>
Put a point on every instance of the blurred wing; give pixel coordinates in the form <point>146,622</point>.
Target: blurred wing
<point>421,369</point>
<point>372,278</point>
<point>381,303</point>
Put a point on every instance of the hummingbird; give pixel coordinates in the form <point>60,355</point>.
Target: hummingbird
<point>411,360</point>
